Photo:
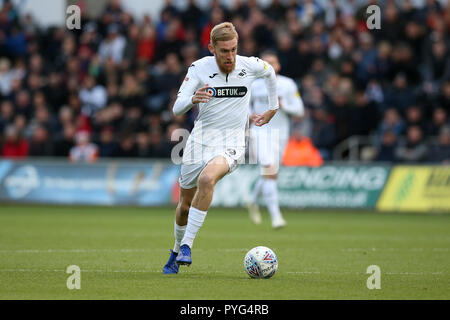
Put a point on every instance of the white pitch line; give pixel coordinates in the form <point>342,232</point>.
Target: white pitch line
<point>215,249</point>
<point>216,272</point>
<point>394,249</point>
<point>112,250</point>
<point>362,273</point>
<point>96,271</point>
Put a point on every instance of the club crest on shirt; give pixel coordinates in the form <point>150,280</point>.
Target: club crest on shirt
<point>242,74</point>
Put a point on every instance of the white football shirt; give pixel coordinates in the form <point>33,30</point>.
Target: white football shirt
<point>291,104</point>
<point>224,118</point>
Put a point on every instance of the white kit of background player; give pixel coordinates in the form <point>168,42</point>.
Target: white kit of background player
<point>220,86</point>
<point>267,143</point>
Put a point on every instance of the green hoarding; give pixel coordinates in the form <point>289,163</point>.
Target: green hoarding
<point>329,186</point>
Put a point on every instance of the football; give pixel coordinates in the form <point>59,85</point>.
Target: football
<point>260,262</point>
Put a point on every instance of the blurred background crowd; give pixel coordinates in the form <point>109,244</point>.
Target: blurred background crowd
<point>107,89</point>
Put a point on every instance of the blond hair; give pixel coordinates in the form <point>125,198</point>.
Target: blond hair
<point>223,32</point>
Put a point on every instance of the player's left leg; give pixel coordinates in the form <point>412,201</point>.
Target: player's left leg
<point>269,177</point>
<point>210,175</point>
<point>270,193</point>
<point>181,218</point>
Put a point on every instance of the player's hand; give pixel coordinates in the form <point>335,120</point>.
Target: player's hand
<point>253,117</point>
<point>201,95</point>
<point>264,118</point>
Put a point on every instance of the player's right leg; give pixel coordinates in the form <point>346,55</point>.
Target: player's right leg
<point>270,194</point>
<point>252,200</point>
<point>181,218</point>
<point>210,175</point>
<point>268,150</point>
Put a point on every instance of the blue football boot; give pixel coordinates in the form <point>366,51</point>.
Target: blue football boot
<point>184,256</point>
<point>171,266</point>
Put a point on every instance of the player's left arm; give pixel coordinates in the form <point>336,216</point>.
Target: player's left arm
<point>292,102</point>
<point>264,70</point>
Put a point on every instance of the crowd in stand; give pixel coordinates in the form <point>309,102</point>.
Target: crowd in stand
<point>107,89</point>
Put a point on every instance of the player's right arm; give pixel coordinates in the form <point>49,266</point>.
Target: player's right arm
<point>264,70</point>
<point>190,93</point>
<point>293,103</point>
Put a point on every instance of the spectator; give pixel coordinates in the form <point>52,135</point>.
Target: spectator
<point>112,13</point>
<point>363,115</point>
<point>367,58</point>
<point>113,46</point>
<point>391,122</point>
<point>55,91</point>
<point>323,133</point>
<point>386,150</point>
<point>438,66</point>
<point>172,41</point>
<point>440,151</point>
<point>84,150</point>
<point>438,121</point>
<point>131,47</point>
<point>127,147</point>
<point>340,108</point>
<point>143,145</point>
<point>300,151</point>
<point>158,149</point>
<point>14,145</point>
<point>6,114</point>
<point>444,96</point>
<point>414,150</point>
<point>400,95</point>
<point>6,77</point>
<point>64,141</point>
<point>414,117</point>
<point>131,93</point>
<point>146,46</point>
<point>168,80</point>
<point>192,16</point>
<point>93,96</point>
<point>23,104</point>
<point>108,147</point>
<point>41,144</point>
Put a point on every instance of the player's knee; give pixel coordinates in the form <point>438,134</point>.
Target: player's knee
<point>205,181</point>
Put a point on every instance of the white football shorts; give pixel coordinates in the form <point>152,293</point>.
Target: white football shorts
<point>266,147</point>
<point>197,156</point>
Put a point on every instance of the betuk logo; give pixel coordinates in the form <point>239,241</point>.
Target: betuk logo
<point>74,20</point>
<point>374,20</point>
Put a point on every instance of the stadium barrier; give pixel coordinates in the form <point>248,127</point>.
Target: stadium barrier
<point>155,183</point>
<point>417,188</point>
<point>328,186</point>
<point>101,183</point>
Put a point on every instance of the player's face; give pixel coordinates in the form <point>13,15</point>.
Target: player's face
<point>225,53</point>
<point>273,61</point>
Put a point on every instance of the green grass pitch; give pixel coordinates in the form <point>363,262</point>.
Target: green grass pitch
<point>121,251</point>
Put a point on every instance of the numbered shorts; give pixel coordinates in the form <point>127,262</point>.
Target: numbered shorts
<point>196,157</point>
